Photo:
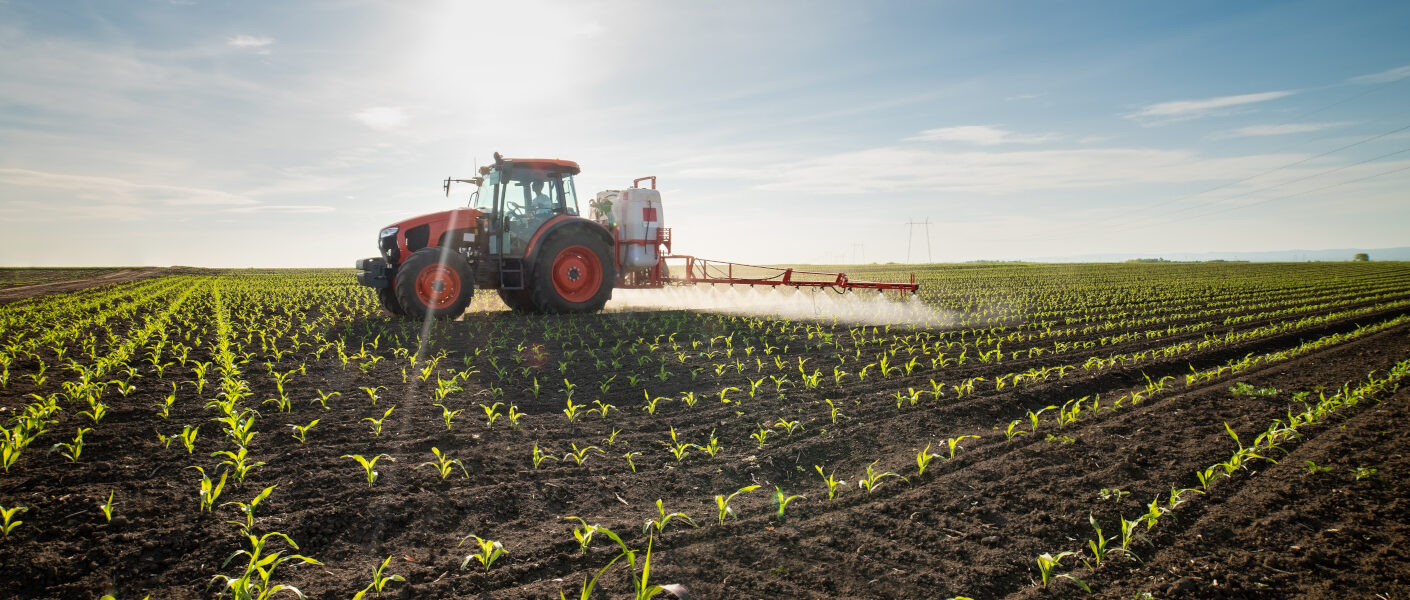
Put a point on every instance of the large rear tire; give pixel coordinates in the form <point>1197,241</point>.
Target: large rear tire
<point>573,273</point>
<point>388,296</point>
<point>519,301</point>
<point>426,285</point>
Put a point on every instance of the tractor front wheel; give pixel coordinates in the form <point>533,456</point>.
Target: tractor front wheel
<point>573,273</point>
<point>428,285</point>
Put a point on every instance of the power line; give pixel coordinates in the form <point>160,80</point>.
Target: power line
<point>910,229</point>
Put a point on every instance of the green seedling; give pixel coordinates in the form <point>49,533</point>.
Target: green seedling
<point>722,502</point>
<point>444,463</point>
<point>873,478</point>
<point>954,444</point>
<point>188,437</point>
<point>210,491</point>
<point>73,450</point>
<point>447,414</point>
<point>789,426</point>
<point>579,455</point>
<point>379,581</point>
<point>301,431</point>
<point>1098,545</point>
<point>761,435</point>
<point>1047,562</point>
<point>255,583</point>
<point>492,414</point>
<point>377,423</point>
<point>830,481</point>
<point>488,552</point>
<point>923,459</point>
<point>248,509</point>
<point>514,415</point>
<point>540,456</point>
<point>8,522</point>
<point>323,398</point>
<point>660,522</point>
<point>781,500</point>
<point>107,507</point>
<point>629,457</point>
<point>237,462</point>
<point>369,465</point>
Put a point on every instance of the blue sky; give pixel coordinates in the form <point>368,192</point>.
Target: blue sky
<point>288,133</point>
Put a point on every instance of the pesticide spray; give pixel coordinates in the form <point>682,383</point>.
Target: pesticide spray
<point>854,308</point>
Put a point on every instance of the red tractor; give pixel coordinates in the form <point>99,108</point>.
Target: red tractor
<point>523,235</point>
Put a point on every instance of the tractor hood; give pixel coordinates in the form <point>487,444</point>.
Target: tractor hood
<point>400,239</point>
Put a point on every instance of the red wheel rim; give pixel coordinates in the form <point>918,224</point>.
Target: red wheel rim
<point>437,286</point>
<point>577,274</point>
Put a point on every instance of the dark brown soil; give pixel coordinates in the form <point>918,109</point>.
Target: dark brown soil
<point>971,526</point>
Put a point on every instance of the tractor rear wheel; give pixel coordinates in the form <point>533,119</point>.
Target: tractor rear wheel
<point>388,296</point>
<point>429,286</point>
<point>573,273</point>
<point>519,301</point>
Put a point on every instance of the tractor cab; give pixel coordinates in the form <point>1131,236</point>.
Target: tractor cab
<point>520,196</point>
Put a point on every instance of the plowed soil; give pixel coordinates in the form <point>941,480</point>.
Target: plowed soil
<point>969,526</point>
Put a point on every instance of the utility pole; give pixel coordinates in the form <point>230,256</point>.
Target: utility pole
<point>910,230</point>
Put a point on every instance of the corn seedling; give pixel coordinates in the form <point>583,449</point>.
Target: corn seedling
<point>323,398</point>
<point>781,500</point>
<point>761,435</point>
<point>443,464</point>
<point>237,462</point>
<point>72,450</point>
<point>514,415</point>
<point>488,551</point>
<point>377,423</point>
<point>1130,534</point>
<point>722,502</point>
<point>107,507</point>
<point>1047,562</point>
<point>248,509</point>
<point>1098,545</point>
<point>210,491</point>
<point>369,465</point>
<point>788,426</point>
<point>492,414</point>
<point>713,447</point>
<point>1012,430</point>
<point>833,413</point>
<point>301,431</point>
<point>629,457</point>
<point>540,456</point>
<point>830,481</point>
<point>255,583</point>
<point>579,455</point>
<point>572,410</point>
<point>379,581</point>
<point>8,522</point>
<point>372,393</point>
<point>873,478</point>
<point>602,408</point>
<point>1311,468</point>
<point>663,519</point>
<point>188,437</point>
<point>447,414</point>
<point>923,459</point>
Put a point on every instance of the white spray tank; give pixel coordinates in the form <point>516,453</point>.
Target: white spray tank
<point>637,214</point>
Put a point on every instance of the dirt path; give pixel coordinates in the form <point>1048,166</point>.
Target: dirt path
<point>59,287</point>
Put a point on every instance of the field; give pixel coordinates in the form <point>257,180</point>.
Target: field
<point>1110,431</point>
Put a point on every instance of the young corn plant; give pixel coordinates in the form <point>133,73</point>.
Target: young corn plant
<point>370,466</point>
<point>761,435</point>
<point>629,456</point>
<point>781,501</point>
<point>579,455</point>
<point>238,463</point>
<point>1098,545</point>
<point>540,456</point>
<point>447,415</point>
<point>492,414</point>
<point>954,444</point>
<point>572,410</point>
<point>722,502</point>
<point>1047,562</point>
<point>1130,534</point>
<point>107,507</point>
<point>210,491</point>
<point>789,426</point>
<point>514,415</point>
<point>255,583</point>
<point>301,431</point>
<point>323,398</point>
<point>248,509</point>
<point>923,459</point>
<point>874,479</point>
<point>379,581</point>
<point>663,519</point>
<point>833,413</point>
<point>372,393</point>
<point>443,464</point>
<point>72,450</point>
<point>377,423</point>
<point>8,522</point>
<point>487,552</point>
<point>830,481</point>
<point>188,437</point>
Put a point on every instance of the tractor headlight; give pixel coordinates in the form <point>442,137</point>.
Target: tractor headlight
<point>390,231</point>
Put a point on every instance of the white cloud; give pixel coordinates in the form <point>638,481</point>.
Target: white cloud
<point>1191,109</point>
<point>983,135</point>
<point>259,44</point>
<point>894,170</point>
<point>115,191</point>
<point>1281,129</point>
<point>382,118</point>
<point>1385,76</point>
